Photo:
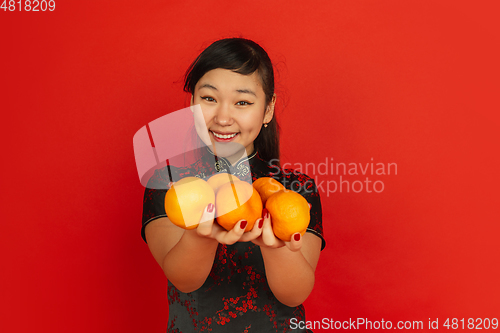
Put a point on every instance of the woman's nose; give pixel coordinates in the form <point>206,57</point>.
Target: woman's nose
<point>223,115</point>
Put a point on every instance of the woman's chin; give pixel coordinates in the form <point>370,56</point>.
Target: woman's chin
<point>228,149</point>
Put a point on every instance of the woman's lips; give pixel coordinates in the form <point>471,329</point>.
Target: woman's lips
<point>223,137</point>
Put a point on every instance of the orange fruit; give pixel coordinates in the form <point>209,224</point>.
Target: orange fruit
<point>289,214</point>
<point>186,200</point>
<point>237,201</point>
<point>267,186</point>
<point>220,179</point>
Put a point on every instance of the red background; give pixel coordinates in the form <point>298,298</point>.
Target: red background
<point>412,83</point>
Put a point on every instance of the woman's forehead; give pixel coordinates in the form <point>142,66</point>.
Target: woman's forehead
<point>226,80</point>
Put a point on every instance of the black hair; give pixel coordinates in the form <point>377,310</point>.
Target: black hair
<point>245,57</point>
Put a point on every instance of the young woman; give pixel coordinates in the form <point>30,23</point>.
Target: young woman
<point>234,281</point>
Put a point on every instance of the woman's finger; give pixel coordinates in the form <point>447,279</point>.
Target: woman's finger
<point>232,236</point>
<point>254,233</point>
<point>206,221</point>
<point>295,243</point>
<point>268,236</point>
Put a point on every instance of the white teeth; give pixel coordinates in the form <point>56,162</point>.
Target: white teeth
<point>220,136</point>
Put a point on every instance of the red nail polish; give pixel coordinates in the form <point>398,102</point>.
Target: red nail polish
<point>261,223</point>
<point>210,207</point>
<point>296,237</point>
<point>243,224</point>
<point>265,212</point>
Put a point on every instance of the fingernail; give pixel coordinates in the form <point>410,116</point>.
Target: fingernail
<point>261,223</point>
<point>296,237</point>
<point>265,213</point>
<point>210,207</point>
<point>243,224</point>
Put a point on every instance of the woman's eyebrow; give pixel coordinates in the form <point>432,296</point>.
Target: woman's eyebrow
<point>206,85</point>
<point>241,91</point>
<point>246,91</point>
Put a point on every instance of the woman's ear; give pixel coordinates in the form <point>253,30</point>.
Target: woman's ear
<point>269,114</point>
<point>192,100</point>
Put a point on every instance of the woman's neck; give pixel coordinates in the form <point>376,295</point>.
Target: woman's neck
<point>238,156</point>
<point>231,153</point>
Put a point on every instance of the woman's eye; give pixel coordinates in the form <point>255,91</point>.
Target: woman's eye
<point>244,103</point>
<point>207,98</point>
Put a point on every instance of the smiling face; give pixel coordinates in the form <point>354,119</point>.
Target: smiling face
<point>234,108</point>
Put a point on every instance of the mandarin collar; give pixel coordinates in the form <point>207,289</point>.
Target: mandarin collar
<point>239,169</point>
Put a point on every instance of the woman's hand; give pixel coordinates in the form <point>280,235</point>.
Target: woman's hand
<point>208,229</point>
<point>268,239</point>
